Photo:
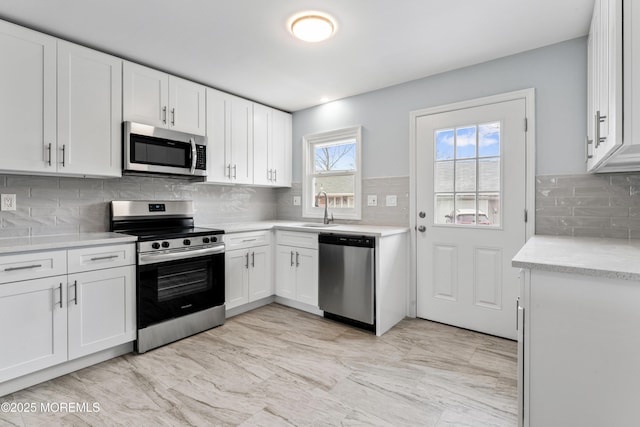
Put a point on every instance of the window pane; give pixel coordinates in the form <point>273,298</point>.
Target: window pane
<point>489,174</point>
<point>489,209</point>
<point>443,179</point>
<point>443,209</point>
<point>466,175</point>
<point>339,189</point>
<point>489,139</point>
<point>335,157</point>
<point>466,142</point>
<point>465,209</point>
<point>444,144</point>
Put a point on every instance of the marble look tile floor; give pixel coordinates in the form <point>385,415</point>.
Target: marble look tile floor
<point>276,366</point>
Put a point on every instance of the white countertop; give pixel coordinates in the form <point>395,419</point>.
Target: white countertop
<point>374,230</point>
<point>611,258</point>
<point>64,241</point>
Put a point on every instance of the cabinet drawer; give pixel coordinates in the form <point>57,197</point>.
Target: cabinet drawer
<point>247,239</point>
<point>297,239</point>
<point>32,265</point>
<point>98,257</point>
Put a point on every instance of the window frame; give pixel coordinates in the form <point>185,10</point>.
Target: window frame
<point>308,161</point>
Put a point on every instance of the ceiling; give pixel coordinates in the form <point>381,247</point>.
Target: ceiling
<point>244,46</point>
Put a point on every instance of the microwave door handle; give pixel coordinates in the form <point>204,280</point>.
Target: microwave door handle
<point>194,155</point>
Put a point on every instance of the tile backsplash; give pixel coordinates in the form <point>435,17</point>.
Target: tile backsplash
<point>57,205</point>
<point>371,215</point>
<point>591,205</point>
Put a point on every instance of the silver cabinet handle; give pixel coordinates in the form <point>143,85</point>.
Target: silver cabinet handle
<point>249,240</point>
<point>599,119</point>
<point>229,171</point>
<point>100,258</point>
<point>60,289</point>
<point>587,155</point>
<point>291,258</point>
<point>235,171</point>
<point>422,229</point>
<point>246,264</point>
<point>275,175</point>
<point>63,152</point>
<point>297,259</point>
<point>517,308</point>
<point>49,150</point>
<point>173,117</point>
<point>24,267</point>
<point>75,292</point>
<point>270,175</point>
<point>253,259</point>
<point>164,114</point>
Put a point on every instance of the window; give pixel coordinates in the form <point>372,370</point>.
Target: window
<point>332,166</point>
<point>467,175</point>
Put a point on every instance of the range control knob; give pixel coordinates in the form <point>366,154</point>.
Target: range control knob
<point>165,244</point>
<point>155,245</point>
<point>214,239</point>
<point>205,240</point>
<point>186,242</point>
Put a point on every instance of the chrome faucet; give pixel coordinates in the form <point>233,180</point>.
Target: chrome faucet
<point>326,219</point>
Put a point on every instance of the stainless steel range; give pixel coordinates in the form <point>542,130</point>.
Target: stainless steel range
<point>180,270</point>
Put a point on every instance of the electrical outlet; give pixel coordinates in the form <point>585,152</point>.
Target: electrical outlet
<point>372,200</point>
<point>296,201</point>
<point>8,202</point>
<point>392,200</point>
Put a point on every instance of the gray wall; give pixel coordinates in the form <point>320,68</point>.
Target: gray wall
<point>557,72</point>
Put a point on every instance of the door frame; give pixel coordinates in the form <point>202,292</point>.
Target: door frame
<point>530,173</point>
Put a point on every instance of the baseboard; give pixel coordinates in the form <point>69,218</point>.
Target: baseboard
<point>299,305</point>
<point>250,306</point>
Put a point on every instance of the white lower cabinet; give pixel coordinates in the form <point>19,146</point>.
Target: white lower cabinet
<point>297,266</point>
<point>50,320</point>
<point>33,315</point>
<point>101,309</point>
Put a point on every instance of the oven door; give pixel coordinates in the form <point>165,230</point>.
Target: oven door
<point>174,288</point>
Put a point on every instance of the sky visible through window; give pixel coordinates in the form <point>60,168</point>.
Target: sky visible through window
<point>335,157</point>
<point>463,140</point>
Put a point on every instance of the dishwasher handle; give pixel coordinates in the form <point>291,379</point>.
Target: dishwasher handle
<point>347,240</point>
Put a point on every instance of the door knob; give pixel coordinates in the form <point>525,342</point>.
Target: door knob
<point>422,214</point>
<point>422,229</point>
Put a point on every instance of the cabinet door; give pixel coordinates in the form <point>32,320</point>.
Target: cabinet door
<point>307,276</point>
<point>241,140</point>
<point>37,337</point>
<point>281,149</point>
<point>236,282</point>
<point>89,112</point>
<point>262,153</point>
<point>285,271</point>
<point>186,106</point>
<point>145,94</point>
<point>260,280</point>
<point>218,136</point>
<point>102,310</point>
<point>28,107</point>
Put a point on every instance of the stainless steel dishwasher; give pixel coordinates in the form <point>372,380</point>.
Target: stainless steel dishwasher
<point>346,286</point>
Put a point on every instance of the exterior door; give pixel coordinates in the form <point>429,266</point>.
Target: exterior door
<point>470,202</point>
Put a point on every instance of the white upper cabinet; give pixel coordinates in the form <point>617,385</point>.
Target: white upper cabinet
<point>89,112</point>
<point>156,98</point>
<point>613,134</point>
<point>28,101</point>
<point>230,138</point>
<point>271,147</point>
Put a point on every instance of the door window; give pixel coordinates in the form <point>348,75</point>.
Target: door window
<point>467,176</point>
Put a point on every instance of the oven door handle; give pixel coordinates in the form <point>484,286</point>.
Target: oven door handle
<point>194,155</point>
<point>153,258</point>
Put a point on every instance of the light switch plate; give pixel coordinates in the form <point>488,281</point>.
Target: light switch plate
<point>372,200</point>
<point>7,202</point>
<point>296,201</point>
<point>392,200</point>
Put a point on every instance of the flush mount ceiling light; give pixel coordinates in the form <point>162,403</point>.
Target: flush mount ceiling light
<point>312,26</point>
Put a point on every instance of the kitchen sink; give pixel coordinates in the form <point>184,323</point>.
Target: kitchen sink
<point>317,225</point>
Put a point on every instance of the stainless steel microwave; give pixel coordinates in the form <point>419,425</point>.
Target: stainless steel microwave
<point>149,150</point>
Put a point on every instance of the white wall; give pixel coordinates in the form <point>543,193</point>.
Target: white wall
<point>557,72</point>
